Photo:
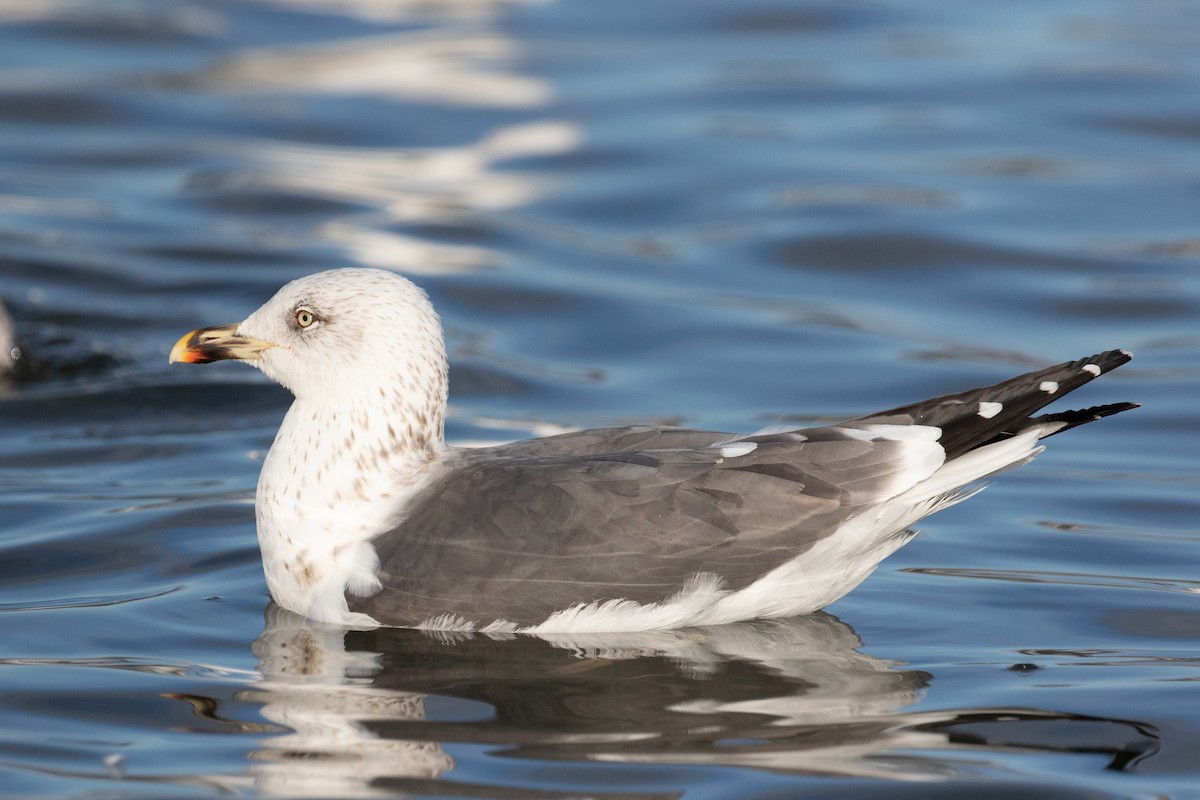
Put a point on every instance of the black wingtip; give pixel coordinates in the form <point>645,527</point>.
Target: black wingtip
<point>1105,361</point>
<point>1071,419</point>
<point>981,416</point>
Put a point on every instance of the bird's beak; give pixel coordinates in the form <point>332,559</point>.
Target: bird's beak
<point>216,344</point>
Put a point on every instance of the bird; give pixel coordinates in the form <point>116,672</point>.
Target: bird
<point>10,352</point>
<point>367,518</point>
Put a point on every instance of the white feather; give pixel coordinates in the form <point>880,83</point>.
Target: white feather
<point>988,410</point>
<point>736,449</point>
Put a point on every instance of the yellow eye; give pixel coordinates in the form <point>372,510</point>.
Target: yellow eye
<point>305,318</point>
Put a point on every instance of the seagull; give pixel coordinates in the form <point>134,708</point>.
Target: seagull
<point>367,518</point>
<point>9,351</point>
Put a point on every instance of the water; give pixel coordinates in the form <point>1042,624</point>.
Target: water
<point>716,214</point>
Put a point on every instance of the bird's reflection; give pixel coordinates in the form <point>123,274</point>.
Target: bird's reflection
<point>371,712</point>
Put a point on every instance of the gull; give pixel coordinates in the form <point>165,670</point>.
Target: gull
<point>367,518</point>
<point>10,353</point>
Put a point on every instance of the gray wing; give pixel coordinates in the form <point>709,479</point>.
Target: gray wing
<point>521,531</point>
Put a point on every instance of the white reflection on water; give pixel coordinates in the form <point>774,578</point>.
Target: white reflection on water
<point>177,18</point>
<point>324,694</point>
<point>401,186</point>
<point>372,711</point>
<point>344,707</point>
<point>452,66</point>
<point>383,10</point>
<point>455,59</point>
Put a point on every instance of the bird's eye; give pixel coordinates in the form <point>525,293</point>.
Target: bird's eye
<point>305,318</point>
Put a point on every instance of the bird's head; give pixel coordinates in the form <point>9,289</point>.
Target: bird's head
<point>335,335</point>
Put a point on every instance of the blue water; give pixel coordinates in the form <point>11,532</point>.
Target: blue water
<point>714,214</point>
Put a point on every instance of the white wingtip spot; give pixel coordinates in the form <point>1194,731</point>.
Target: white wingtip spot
<point>1092,368</point>
<point>1049,387</point>
<point>988,410</point>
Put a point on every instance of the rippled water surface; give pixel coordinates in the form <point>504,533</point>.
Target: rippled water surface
<point>722,214</point>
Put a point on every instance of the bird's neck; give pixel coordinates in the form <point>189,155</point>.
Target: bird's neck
<point>336,476</point>
<point>350,454</point>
